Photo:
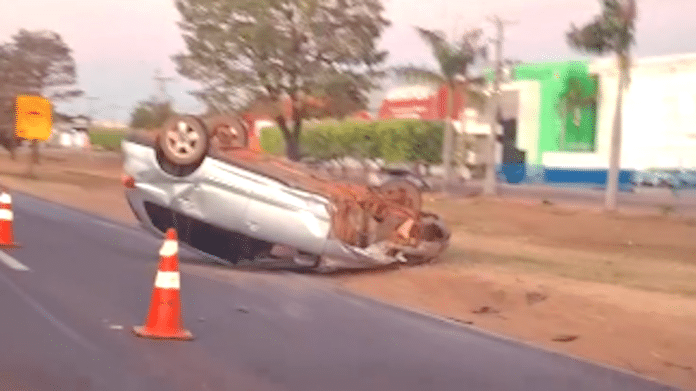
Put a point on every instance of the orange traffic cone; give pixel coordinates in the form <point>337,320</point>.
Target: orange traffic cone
<point>6,218</point>
<point>164,318</point>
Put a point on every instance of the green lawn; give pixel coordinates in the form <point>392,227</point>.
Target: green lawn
<point>109,139</point>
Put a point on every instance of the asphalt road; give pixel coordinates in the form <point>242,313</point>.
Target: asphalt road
<point>70,295</point>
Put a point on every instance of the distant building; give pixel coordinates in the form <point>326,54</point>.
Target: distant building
<point>658,118</point>
<point>362,115</point>
<point>419,102</point>
<point>263,113</point>
<point>70,132</point>
<point>429,103</point>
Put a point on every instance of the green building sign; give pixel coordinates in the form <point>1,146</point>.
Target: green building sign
<point>568,106</point>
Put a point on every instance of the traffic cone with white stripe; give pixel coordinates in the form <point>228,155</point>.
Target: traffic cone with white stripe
<point>164,319</point>
<point>6,219</point>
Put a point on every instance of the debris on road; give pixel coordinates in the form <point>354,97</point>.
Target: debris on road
<point>564,338</point>
<point>468,322</point>
<point>535,297</point>
<point>671,364</point>
<point>485,310</point>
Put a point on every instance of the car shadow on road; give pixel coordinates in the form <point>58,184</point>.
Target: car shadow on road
<point>282,267</point>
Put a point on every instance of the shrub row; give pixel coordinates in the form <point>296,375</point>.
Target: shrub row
<point>390,140</point>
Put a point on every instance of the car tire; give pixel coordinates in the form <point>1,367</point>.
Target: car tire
<point>228,132</point>
<point>183,141</point>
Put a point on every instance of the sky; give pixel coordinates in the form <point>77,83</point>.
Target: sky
<point>118,44</point>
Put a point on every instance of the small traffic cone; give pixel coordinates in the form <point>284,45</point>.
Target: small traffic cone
<point>164,318</point>
<point>6,218</point>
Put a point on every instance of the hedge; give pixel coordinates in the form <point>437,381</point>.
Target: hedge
<point>390,140</point>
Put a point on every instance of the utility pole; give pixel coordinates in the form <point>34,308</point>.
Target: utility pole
<point>89,100</point>
<point>489,184</point>
<point>161,83</point>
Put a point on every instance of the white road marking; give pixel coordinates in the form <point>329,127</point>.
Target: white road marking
<point>12,263</point>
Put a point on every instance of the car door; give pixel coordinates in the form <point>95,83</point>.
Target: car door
<point>280,214</point>
<point>223,192</point>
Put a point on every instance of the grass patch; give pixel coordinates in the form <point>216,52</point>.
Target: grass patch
<point>271,140</point>
<point>108,139</point>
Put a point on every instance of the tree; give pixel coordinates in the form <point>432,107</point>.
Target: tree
<point>611,31</point>
<point>279,49</point>
<point>573,99</point>
<point>342,98</point>
<point>38,63</point>
<point>151,114</point>
<point>454,60</point>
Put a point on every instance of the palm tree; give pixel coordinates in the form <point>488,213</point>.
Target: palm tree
<point>572,100</point>
<point>611,31</point>
<point>454,59</point>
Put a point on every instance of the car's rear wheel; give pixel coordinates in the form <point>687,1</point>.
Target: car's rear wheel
<point>228,132</point>
<point>184,140</point>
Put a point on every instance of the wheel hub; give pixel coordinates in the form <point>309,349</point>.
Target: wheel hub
<point>183,141</point>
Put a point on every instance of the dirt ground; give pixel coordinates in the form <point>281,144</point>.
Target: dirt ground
<point>618,289</point>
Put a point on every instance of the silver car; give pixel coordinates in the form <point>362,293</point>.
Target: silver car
<point>225,199</point>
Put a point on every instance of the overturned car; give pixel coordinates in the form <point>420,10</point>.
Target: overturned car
<point>237,203</point>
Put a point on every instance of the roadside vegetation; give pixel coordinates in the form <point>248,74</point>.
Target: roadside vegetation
<point>388,140</point>
<point>106,138</point>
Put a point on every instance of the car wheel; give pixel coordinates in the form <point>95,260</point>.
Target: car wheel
<point>228,132</point>
<point>184,141</point>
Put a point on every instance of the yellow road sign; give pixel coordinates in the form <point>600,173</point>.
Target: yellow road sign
<point>33,117</point>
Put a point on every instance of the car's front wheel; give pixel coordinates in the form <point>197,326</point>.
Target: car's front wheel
<point>182,144</point>
<point>184,140</point>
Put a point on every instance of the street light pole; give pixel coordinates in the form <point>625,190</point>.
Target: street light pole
<point>90,99</point>
<point>489,183</point>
